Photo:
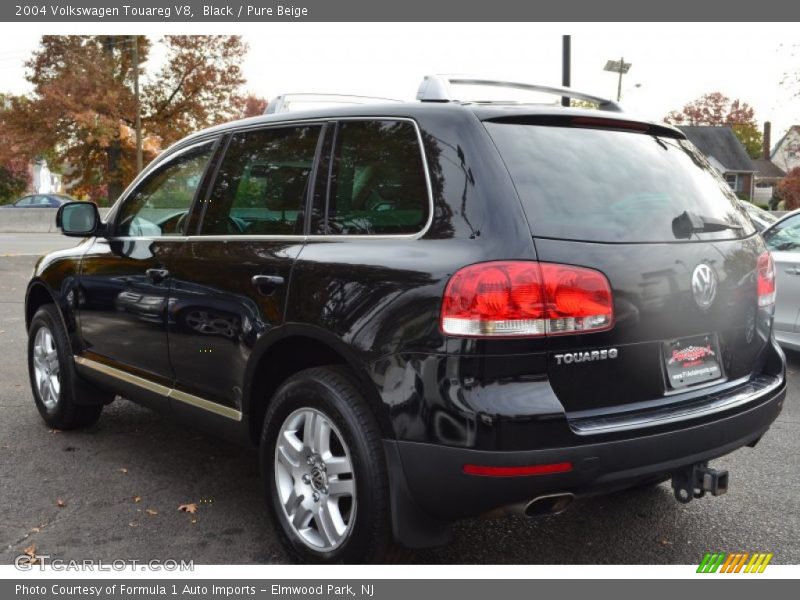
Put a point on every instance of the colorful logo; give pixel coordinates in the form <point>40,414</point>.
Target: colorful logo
<point>737,562</point>
<point>691,355</point>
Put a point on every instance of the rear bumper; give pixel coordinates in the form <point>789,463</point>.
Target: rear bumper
<point>431,476</point>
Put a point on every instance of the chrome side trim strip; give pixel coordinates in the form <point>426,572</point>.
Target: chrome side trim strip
<point>199,402</point>
<point>161,390</point>
<point>141,382</point>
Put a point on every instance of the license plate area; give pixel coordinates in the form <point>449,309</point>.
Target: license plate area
<point>691,361</point>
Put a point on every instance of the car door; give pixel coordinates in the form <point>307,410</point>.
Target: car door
<point>230,282</point>
<point>783,240</point>
<point>125,277</point>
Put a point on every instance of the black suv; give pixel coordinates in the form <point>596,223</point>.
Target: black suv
<point>424,311</point>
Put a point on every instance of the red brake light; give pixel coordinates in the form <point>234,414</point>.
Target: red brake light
<point>526,298</point>
<point>547,469</point>
<point>766,280</point>
<point>601,123</point>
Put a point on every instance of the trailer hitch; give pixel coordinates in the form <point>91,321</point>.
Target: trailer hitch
<point>695,480</point>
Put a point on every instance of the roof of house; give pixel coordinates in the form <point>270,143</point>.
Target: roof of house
<point>721,144</point>
<point>767,169</point>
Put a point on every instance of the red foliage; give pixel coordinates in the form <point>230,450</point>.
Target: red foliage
<point>789,189</point>
<point>713,109</point>
<point>254,106</point>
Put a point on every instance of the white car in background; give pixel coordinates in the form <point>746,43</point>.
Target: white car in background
<point>760,217</point>
<point>783,240</point>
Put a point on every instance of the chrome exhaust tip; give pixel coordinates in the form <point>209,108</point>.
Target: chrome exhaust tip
<point>545,506</point>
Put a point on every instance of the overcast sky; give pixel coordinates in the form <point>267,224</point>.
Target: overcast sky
<point>672,64</point>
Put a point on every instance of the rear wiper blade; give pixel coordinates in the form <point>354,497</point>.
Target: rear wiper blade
<point>688,223</point>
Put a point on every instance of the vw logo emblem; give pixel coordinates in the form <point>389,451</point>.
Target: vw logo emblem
<point>704,285</point>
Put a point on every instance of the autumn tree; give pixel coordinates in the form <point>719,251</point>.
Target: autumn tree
<point>82,109</point>
<point>253,106</point>
<point>718,110</point>
<point>789,189</point>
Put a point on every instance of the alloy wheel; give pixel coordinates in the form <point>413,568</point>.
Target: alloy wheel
<point>46,368</point>
<point>315,480</point>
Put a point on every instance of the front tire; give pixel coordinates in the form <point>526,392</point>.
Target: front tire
<point>62,398</point>
<point>324,469</point>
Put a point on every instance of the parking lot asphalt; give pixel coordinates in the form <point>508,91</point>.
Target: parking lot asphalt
<point>121,482</point>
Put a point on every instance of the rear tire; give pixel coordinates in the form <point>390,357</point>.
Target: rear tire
<point>63,399</point>
<point>324,469</point>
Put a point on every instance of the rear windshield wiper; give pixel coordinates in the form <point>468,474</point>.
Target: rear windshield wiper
<point>688,223</point>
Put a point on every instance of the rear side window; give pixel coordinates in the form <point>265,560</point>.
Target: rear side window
<point>377,183</point>
<point>262,183</point>
<point>611,186</point>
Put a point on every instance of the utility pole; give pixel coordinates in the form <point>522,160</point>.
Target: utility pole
<point>139,164</point>
<point>566,65</point>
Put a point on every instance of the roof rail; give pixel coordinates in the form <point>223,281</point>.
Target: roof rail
<point>285,102</point>
<point>437,88</point>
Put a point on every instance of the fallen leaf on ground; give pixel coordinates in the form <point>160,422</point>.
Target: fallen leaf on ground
<point>60,503</point>
<point>124,471</point>
<point>189,508</point>
<point>666,543</point>
<point>133,524</point>
<point>30,550</point>
<point>137,499</point>
<point>35,530</point>
<point>151,512</point>
<point>194,521</point>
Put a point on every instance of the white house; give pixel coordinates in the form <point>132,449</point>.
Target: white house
<point>786,153</point>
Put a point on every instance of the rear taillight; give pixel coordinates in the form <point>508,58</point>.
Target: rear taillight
<point>526,298</point>
<point>766,280</point>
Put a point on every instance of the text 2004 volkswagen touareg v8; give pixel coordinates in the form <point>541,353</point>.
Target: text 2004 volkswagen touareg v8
<point>421,312</point>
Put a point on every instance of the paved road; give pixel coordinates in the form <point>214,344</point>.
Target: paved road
<point>134,453</point>
<point>33,244</point>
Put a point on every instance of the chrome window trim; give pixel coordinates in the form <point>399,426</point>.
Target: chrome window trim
<point>161,390</point>
<point>299,237</point>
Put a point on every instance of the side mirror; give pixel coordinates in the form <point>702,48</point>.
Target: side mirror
<point>78,219</point>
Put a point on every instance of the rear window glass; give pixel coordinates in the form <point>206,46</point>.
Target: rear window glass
<point>611,186</point>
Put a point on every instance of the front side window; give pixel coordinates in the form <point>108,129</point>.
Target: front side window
<point>377,183</point>
<point>784,236</point>
<point>160,204</point>
<point>263,182</point>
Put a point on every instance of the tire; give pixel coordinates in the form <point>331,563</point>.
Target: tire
<point>64,400</point>
<point>341,508</point>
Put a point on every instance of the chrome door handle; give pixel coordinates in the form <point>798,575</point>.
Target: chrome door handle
<point>157,275</point>
<point>267,283</point>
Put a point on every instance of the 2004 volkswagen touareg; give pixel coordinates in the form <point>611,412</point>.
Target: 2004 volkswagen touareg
<point>423,311</point>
